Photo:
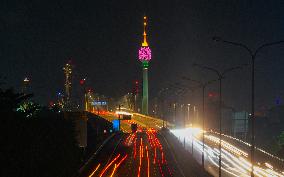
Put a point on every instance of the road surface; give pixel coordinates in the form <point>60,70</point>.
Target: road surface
<point>138,154</point>
<point>235,160</point>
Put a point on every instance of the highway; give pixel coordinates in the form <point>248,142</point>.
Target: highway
<point>134,154</point>
<point>235,156</point>
<point>141,120</point>
<point>235,160</point>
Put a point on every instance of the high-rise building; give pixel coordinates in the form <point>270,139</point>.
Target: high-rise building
<point>68,84</point>
<point>144,55</point>
<point>26,85</point>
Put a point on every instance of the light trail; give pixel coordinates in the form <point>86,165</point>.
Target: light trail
<point>140,158</point>
<point>134,148</point>
<point>123,159</point>
<point>234,160</point>
<point>96,169</point>
<point>116,166</point>
<point>247,144</point>
<point>104,170</point>
<point>113,170</point>
<point>148,162</point>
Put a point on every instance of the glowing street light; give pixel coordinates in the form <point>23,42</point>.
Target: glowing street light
<point>253,54</point>
<point>203,85</point>
<point>220,75</point>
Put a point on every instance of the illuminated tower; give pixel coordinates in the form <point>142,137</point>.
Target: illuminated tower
<point>144,55</point>
<point>68,83</point>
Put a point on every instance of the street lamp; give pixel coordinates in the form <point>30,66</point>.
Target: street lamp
<point>174,120</point>
<point>220,75</point>
<point>182,90</point>
<point>253,54</point>
<point>188,106</point>
<point>203,85</point>
<point>163,90</point>
<point>83,84</point>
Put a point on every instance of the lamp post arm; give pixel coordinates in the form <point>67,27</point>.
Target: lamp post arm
<point>209,68</point>
<point>209,82</point>
<point>266,45</point>
<point>230,70</point>
<point>238,44</point>
<point>193,80</point>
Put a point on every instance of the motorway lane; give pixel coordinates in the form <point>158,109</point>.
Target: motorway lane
<point>234,160</point>
<point>137,154</point>
<point>102,157</point>
<point>139,119</point>
<point>147,158</point>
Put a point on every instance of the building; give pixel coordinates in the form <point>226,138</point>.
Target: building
<point>240,124</point>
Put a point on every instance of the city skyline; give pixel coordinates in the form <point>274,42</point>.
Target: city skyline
<point>42,43</point>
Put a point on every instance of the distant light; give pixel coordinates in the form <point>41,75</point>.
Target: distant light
<point>51,103</point>
<point>26,79</point>
<point>82,81</point>
<point>123,113</point>
<point>278,101</point>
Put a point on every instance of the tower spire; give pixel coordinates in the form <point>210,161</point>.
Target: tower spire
<point>145,44</point>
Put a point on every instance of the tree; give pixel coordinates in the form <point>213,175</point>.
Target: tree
<point>42,145</point>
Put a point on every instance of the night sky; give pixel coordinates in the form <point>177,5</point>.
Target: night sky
<point>102,39</point>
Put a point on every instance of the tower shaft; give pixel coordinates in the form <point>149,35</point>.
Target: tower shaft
<point>145,91</point>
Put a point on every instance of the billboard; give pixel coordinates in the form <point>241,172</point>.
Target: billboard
<point>99,103</point>
<point>240,124</point>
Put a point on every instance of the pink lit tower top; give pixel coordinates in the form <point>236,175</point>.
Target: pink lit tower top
<point>144,55</point>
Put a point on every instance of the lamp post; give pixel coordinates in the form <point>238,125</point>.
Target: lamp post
<point>181,90</point>
<point>188,108</point>
<point>174,120</point>
<point>220,75</point>
<point>85,102</point>
<point>163,90</point>
<point>184,117</point>
<point>253,54</point>
<point>203,85</point>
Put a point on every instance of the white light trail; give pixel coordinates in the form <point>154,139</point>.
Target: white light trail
<point>234,160</point>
